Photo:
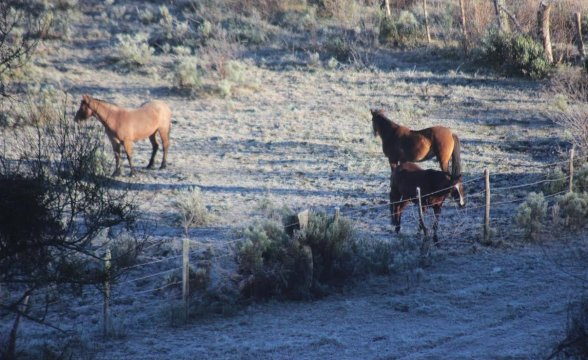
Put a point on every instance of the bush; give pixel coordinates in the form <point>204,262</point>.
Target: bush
<point>515,53</point>
<point>296,264</point>
<point>133,50</point>
<point>191,209</point>
<point>574,119</point>
<point>186,74</point>
<point>557,181</point>
<point>574,208</point>
<point>570,81</point>
<point>531,214</point>
<point>575,344</point>
<point>403,31</point>
<point>581,179</point>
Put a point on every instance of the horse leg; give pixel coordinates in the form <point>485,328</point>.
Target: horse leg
<point>422,223</point>
<point>129,149</point>
<point>437,211</point>
<point>155,146</point>
<point>164,133</point>
<point>116,149</point>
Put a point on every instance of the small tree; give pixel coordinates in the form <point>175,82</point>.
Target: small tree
<point>53,208</point>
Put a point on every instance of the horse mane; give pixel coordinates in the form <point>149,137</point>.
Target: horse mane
<point>103,101</point>
<point>381,119</point>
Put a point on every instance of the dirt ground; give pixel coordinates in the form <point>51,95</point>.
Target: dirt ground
<point>302,137</point>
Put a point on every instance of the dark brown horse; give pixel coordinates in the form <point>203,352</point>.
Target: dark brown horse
<point>435,186</point>
<point>125,126</point>
<point>400,144</point>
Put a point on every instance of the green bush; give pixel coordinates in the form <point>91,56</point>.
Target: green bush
<point>557,181</point>
<point>277,261</point>
<point>531,214</point>
<point>133,50</point>
<point>402,31</point>
<point>186,74</point>
<point>515,53</point>
<point>581,179</point>
<point>574,209</point>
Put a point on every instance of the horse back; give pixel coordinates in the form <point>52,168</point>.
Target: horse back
<point>408,176</point>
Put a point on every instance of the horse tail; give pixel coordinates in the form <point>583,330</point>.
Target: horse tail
<point>455,158</point>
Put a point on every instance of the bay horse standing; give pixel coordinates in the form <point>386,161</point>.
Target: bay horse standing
<point>125,126</point>
<point>435,186</point>
<point>401,144</point>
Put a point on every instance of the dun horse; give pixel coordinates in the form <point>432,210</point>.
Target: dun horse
<point>400,144</point>
<point>435,186</point>
<point>124,126</point>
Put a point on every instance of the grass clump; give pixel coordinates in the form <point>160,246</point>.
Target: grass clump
<point>280,261</point>
<point>517,54</point>
<point>531,214</point>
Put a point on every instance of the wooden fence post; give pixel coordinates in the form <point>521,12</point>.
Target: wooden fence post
<point>463,26</point>
<point>388,12</point>
<point>107,326</point>
<point>10,351</point>
<point>426,14</point>
<point>544,22</point>
<point>487,208</point>
<point>186,275</point>
<point>579,40</point>
<point>421,217</point>
<point>303,219</point>
<point>571,185</point>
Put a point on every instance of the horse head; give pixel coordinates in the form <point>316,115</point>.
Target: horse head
<point>376,114</point>
<point>85,111</point>
<point>457,191</point>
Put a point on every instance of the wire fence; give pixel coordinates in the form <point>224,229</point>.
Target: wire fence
<point>466,220</point>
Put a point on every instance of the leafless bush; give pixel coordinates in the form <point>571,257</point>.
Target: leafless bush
<point>21,30</point>
<point>571,82</point>
<point>575,344</point>
<point>574,120</point>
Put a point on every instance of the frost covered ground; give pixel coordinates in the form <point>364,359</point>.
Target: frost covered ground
<point>301,137</point>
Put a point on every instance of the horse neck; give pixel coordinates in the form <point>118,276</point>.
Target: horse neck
<point>386,126</point>
<point>442,183</point>
<point>105,112</point>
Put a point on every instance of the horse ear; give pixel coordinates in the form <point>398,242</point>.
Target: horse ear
<point>86,97</point>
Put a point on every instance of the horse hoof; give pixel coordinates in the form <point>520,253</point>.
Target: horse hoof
<point>162,167</point>
<point>116,173</point>
<point>149,167</point>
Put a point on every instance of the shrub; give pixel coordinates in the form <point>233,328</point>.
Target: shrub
<point>569,81</point>
<point>557,181</point>
<point>402,31</point>
<point>581,179</point>
<point>574,208</point>
<point>340,49</point>
<point>186,74</point>
<point>133,50</point>
<point>575,344</point>
<point>531,214</point>
<point>574,119</point>
<point>296,264</point>
<point>191,209</point>
<point>515,53</point>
